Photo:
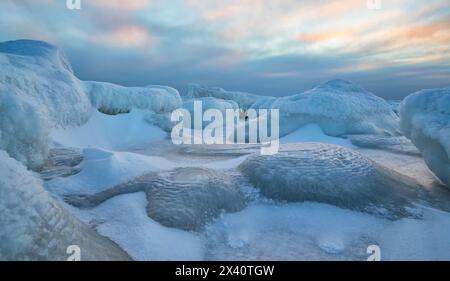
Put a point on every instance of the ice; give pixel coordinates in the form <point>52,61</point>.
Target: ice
<point>112,99</point>
<point>332,174</point>
<point>111,132</point>
<point>293,231</point>
<point>102,169</point>
<point>62,162</point>
<point>244,100</point>
<point>338,107</point>
<point>395,105</point>
<point>425,119</point>
<point>38,91</point>
<point>34,227</point>
<point>188,198</point>
<point>314,231</point>
<point>104,153</point>
<point>209,103</point>
<point>125,221</point>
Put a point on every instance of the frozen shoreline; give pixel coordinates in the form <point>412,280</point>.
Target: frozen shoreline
<point>265,229</point>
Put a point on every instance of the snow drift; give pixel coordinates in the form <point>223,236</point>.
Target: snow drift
<point>34,227</point>
<point>425,119</point>
<point>39,91</point>
<point>113,132</point>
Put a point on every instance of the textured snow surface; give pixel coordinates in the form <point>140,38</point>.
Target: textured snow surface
<point>126,222</point>
<point>314,231</point>
<point>187,198</point>
<point>34,227</point>
<point>425,119</point>
<point>399,144</point>
<point>331,174</point>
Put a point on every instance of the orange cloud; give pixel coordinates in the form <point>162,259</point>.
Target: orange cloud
<point>128,5</point>
<point>126,36</point>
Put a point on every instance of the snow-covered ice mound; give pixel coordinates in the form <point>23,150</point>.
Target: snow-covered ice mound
<point>209,103</point>
<point>184,198</point>
<point>425,119</point>
<point>187,198</point>
<point>113,99</point>
<point>338,107</point>
<point>244,100</point>
<point>39,92</point>
<point>331,174</point>
<point>34,227</point>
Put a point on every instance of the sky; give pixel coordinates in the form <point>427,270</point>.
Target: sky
<point>264,47</point>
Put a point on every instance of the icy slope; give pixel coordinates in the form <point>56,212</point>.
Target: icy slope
<point>39,92</point>
<point>34,227</point>
<point>425,119</point>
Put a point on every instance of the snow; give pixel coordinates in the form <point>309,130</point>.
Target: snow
<point>314,231</point>
<point>425,119</point>
<point>111,132</point>
<point>399,144</point>
<point>112,98</point>
<point>338,107</point>
<point>102,169</point>
<point>313,133</point>
<point>38,91</point>
<point>320,198</point>
<point>293,231</point>
<point>126,222</point>
<point>34,227</point>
